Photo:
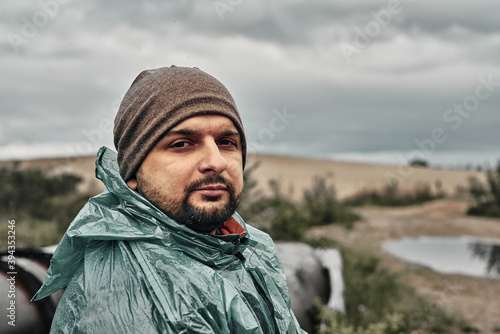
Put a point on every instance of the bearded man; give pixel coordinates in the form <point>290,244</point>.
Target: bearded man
<point>162,249</point>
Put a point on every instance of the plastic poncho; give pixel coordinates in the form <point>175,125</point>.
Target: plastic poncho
<point>129,268</point>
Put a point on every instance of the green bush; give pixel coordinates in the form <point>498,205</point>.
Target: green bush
<point>30,192</point>
<point>322,207</point>
<point>418,162</point>
<point>42,205</point>
<point>320,202</point>
<point>370,291</point>
<point>275,214</point>
<point>391,195</point>
<point>333,324</point>
<point>486,197</point>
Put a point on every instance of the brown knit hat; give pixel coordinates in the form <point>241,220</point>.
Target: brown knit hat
<point>160,99</point>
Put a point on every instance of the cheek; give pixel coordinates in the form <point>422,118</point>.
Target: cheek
<point>237,179</point>
<point>240,181</point>
<point>235,170</point>
<point>179,178</point>
<point>166,181</point>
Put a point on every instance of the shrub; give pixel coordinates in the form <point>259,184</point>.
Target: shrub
<point>392,196</point>
<point>288,222</point>
<point>417,162</point>
<point>370,291</point>
<point>322,207</point>
<point>276,215</point>
<point>30,192</point>
<point>333,324</point>
<point>486,197</point>
<point>489,253</point>
<point>42,205</point>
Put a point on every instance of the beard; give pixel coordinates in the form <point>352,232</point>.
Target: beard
<point>200,219</point>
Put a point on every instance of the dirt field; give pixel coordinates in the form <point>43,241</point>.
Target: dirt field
<point>474,299</point>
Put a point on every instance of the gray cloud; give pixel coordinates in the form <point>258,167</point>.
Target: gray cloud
<point>67,77</point>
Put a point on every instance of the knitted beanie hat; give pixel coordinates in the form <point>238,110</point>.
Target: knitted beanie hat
<point>160,99</point>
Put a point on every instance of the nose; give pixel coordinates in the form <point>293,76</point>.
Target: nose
<point>212,159</point>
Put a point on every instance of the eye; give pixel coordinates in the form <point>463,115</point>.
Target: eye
<point>227,142</point>
<point>180,144</point>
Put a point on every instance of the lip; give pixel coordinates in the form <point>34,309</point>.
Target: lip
<point>212,190</point>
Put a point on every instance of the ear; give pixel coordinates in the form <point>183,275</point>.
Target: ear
<point>132,183</point>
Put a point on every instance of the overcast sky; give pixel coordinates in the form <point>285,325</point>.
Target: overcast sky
<point>361,80</point>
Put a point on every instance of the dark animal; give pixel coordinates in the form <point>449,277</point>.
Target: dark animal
<point>30,269</point>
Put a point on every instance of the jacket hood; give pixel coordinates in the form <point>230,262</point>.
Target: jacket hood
<point>120,213</point>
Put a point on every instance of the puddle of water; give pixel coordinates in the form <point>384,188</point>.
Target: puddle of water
<point>463,255</point>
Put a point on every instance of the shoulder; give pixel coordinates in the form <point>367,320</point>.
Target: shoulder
<point>260,240</point>
<point>104,282</point>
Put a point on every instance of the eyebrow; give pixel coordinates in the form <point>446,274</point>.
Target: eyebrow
<point>229,133</point>
<point>184,132</point>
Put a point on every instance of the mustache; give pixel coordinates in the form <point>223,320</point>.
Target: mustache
<point>211,179</point>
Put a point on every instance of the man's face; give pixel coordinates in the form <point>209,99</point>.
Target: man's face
<point>194,174</point>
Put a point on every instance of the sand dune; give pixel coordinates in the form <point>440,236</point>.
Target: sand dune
<point>350,178</point>
<point>294,174</point>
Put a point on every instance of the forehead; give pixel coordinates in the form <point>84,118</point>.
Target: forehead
<point>203,123</point>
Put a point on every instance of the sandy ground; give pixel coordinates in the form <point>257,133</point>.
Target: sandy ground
<point>474,299</point>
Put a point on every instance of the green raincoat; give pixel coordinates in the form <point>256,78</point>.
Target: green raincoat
<point>128,268</point>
